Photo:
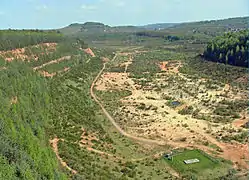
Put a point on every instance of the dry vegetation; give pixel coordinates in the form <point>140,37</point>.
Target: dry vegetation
<point>183,110</point>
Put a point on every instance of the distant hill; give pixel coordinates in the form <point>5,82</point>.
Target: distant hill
<point>207,28</point>
<point>158,26</point>
<point>197,32</point>
<point>213,27</point>
<point>96,27</point>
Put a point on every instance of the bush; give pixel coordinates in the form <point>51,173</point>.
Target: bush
<point>186,110</point>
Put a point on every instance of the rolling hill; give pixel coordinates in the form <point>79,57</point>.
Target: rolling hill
<point>115,111</point>
<point>96,27</point>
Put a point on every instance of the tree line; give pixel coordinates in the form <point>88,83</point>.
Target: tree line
<point>11,39</point>
<point>24,116</point>
<point>158,34</point>
<point>230,48</point>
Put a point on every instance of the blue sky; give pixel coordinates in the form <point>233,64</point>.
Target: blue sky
<point>43,14</point>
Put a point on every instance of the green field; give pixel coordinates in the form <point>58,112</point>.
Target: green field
<point>207,168</point>
<point>205,162</point>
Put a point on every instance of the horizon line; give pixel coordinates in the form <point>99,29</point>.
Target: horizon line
<point>126,25</point>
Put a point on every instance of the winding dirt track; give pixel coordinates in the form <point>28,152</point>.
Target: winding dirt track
<point>54,143</point>
<point>144,140</point>
<point>228,149</point>
<point>53,62</point>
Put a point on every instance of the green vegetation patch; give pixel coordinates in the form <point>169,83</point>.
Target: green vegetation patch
<point>206,162</point>
<point>60,66</point>
<point>11,39</point>
<point>231,48</point>
<point>24,147</point>
<point>215,72</point>
<point>146,64</point>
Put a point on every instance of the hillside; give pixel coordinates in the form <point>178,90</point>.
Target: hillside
<point>213,27</point>
<point>10,39</point>
<point>51,132</point>
<point>25,100</point>
<point>198,34</point>
<point>96,102</point>
<point>190,29</point>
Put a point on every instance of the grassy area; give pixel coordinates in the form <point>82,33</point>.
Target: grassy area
<point>207,168</point>
<point>205,161</point>
<point>61,65</point>
<point>149,62</point>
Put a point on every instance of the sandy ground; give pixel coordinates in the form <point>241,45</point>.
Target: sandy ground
<point>243,120</point>
<point>160,122</point>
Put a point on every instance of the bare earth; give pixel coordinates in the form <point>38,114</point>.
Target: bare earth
<point>20,52</point>
<point>161,124</point>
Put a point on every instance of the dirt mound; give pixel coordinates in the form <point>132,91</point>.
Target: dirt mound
<point>90,52</point>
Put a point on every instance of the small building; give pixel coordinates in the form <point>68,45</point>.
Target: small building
<point>191,161</point>
<point>168,156</point>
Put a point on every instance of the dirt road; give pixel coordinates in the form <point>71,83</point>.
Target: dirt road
<point>54,143</point>
<point>228,150</point>
<point>53,62</point>
<point>144,140</point>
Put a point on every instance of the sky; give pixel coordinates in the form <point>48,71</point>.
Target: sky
<point>48,14</point>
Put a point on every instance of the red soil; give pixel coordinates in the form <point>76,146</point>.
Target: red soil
<point>19,53</point>
<point>162,66</point>
<point>243,120</point>
<point>89,51</point>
